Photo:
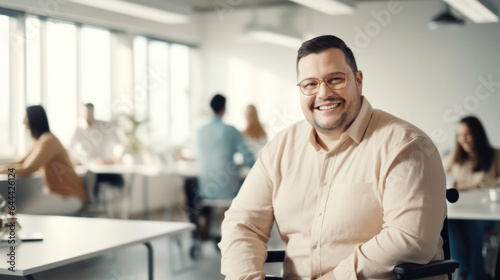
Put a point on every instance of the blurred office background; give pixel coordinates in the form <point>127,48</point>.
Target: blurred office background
<point>162,60</point>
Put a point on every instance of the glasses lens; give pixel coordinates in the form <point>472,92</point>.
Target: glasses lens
<point>309,86</point>
<point>336,81</point>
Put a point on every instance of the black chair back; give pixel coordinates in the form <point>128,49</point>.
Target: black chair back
<point>452,197</point>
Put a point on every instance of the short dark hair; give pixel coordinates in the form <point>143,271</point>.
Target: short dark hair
<point>89,105</point>
<point>37,120</point>
<point>217,103</point>
<point>484,151</point>
<point>321,43</point>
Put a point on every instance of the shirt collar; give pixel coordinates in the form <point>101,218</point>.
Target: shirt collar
<point>313,140</point>
<point>357,128</point>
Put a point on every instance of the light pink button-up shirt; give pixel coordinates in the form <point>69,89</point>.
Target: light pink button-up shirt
<point>375,200</point>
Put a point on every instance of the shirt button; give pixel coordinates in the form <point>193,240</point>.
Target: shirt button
<point>323,183</point>
<point>314,247</point>
<point>320,214</point>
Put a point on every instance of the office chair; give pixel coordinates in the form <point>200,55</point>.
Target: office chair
<point>404,271</point>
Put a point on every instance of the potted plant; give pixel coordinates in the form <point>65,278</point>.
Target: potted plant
<point>134,151</point>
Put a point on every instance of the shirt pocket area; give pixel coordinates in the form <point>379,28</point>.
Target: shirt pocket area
<point>353,211</point>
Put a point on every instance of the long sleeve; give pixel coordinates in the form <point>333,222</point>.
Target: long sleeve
<point>17,164</point>
<point>247,227</point>
<point>414,209</point>
<point>43,152</point>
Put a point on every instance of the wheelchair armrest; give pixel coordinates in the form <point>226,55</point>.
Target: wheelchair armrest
<point>274,256</point>
<point>433,268</point>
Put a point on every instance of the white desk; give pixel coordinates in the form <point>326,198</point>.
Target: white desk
<point>190,169</point>
<point>70,239</point>
<point>185,169</point>
<point>474,205</point>
<point>143,170</point>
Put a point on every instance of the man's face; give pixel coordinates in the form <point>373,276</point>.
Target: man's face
<point>330,112</point>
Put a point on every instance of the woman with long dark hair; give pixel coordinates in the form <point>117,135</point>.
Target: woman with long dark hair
<point>65,193</point>
<point>473,164</point>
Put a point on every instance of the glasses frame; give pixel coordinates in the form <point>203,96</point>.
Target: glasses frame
<point>324,81</point>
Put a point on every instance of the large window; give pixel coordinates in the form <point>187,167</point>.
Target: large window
<point>179,93</point>
<point>61,79</point>
<point>67,65</point>
<point>161,92</point>
<point>96,70</point>
<point>61,65</point>
<point>34,60</point>
<point>5,102</point>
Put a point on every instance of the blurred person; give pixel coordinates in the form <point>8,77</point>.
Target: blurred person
<point>217,142</point>
<point>64,193</point>
<point>254,134</point>
<point>353,190</point>
<point>219,176</point>
<point>96,141</point>
<point>473,164</point>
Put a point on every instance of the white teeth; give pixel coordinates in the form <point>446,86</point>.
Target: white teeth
<point>328,107</point>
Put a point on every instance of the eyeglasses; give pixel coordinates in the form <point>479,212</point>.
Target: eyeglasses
<point>334,81</point>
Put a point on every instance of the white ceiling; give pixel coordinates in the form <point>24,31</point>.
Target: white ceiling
<point>211,5</point>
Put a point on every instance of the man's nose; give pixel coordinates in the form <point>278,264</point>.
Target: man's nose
<point>323,91</point>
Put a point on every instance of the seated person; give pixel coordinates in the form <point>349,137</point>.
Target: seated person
<point>353,190</point>
<point>65,193</point>
<point>473,163</point>
<point>96,141</point>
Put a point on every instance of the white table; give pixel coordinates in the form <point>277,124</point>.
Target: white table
<point>71,239</point>
<point>474,205</point>
<point>185,169</point>
<point>143,170</point>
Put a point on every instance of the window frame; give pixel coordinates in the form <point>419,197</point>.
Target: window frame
<point>150,39</point>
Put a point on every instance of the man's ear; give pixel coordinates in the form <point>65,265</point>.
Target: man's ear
<point>359,81</point>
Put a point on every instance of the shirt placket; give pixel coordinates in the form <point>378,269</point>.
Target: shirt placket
<point>323,190</point>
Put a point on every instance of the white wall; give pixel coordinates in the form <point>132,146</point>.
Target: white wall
<point>426,77</point>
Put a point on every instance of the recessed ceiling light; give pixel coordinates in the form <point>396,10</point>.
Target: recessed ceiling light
<point>331,7</point>
<point>137,9</point>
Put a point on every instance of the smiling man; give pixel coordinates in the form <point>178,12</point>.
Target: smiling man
<point>332,108</point>
<point>353,190</point>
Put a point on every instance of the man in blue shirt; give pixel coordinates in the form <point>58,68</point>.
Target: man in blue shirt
<point>219,176</point>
